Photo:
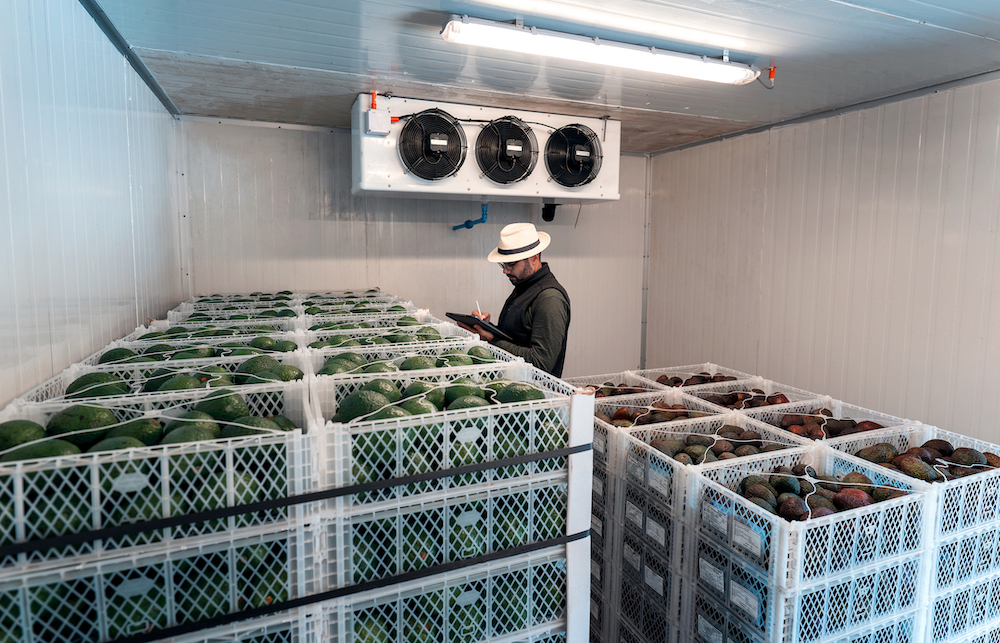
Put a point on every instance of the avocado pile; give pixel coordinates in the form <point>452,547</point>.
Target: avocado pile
<point>694,380</point>
<point>820,423</point>
<point>932,461</point>
<point>727,443</point>
<point>797,493</point>
<point>610,389</point>
<point>382,398</point>
<point>351,362</point>
<point>746,399</point>
<point>388,336</point>
<point>91,428</point>
<point>655,413</point>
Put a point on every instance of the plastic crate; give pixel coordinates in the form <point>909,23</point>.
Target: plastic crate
<point>794,554</point>
<point>113,599</point>
<point>55,496</point>
<point>643,403</point>
<point>710,392</point>
<point>142,345</point>
<point>837,409</point>
<point>648,615</point>
<point>966,558</point>
<point>385,543</point>
<point>367,451</point>
<point>866,594</point>
<point>240,326</point>
<point>397,353</point>
<point>137,374</point>
<point>957,614</point>
<point>685,372</point>
<point>522,598</point>
<point>447,331</point>
<point>375,320</point>
<point>962,504</point>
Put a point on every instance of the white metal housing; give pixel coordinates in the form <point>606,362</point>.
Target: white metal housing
<point>377,168</point>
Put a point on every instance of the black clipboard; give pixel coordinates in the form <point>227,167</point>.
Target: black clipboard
<point>472,321</point>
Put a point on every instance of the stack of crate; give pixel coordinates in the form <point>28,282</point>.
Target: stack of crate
<point>918,567</point>
<point>457,525</point>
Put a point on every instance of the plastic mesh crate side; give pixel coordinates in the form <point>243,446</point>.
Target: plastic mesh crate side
<point>962,610</point>
<point>107,600</point>
<point>791,554</point>
<point>519,598</point>
<point>965,558</point>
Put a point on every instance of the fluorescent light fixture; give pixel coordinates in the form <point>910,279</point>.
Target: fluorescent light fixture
<point>542,42</point>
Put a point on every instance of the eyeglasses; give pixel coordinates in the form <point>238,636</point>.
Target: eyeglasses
<point>510,265</point>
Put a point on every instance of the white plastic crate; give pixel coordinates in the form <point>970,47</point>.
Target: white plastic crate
<point>751,389</point>
<point>359,307</point>
<point>839,410</point>
<point>962,504</point>
<point>685,372</point>
<point>522,598</point>
<point>112,599</point>
<point>866,594</point>
<point>446,331</point>
<point>240,326</point>
<point>51,497</point>
<point>368,451</point>
<point>142,345</point>
<point>137,374</point>
<point>644,404</point>
<point>386,543</point>
<point>713,623</point>
<point>650,611</point>
<point>965,558</point>
<point>966,611</point>
<point>794,554</point>
<point>259,315</point>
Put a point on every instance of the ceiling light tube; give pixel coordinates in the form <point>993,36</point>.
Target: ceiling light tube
<point>543,42</point>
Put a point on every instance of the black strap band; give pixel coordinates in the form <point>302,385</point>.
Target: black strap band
<point>514,251</point>
<point>277,503</point>
<point>274,608</point>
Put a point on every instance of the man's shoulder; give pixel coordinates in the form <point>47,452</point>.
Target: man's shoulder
<point>552,295</point>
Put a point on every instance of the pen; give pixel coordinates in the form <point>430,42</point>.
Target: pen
<point>478,309</point>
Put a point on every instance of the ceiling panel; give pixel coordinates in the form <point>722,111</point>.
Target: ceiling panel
<point>304,60</point>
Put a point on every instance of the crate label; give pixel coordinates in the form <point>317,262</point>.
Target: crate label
<point>655,581</point>
<point>635,467</point>
<point>634,514</point>
<point>712,575</point>
<point>129,482</point>
<point>135,587</point>
<point>469,434</point>
<point>595,570</point>
<point>747,538</point>
<point>744,599</point>
<point>598,486</point>
<point>600,444</point>
<point>597,525</point>
<point>659,482</point>
<point>715,518</point>
<point>656,531</point>
<point>468,518</point>
<point>631,556</point>
<point>708,631</point>
<point>468,598</point>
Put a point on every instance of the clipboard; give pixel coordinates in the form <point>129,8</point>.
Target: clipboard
<point>471,321</point>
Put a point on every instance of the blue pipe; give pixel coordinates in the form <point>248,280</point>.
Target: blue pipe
<point>470,222</point>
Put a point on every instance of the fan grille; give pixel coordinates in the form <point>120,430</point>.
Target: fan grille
<point>573,155</point>
<point>432,144</point>
<point>506,150</point>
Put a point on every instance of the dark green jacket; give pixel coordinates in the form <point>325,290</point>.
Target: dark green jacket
<point>537,316</point>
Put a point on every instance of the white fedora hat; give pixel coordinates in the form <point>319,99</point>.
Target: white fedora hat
<point>519,241</point>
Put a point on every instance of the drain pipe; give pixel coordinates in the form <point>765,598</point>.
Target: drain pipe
<point>470,222</point>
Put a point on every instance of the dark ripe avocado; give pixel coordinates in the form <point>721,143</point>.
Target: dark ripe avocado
<point>851,499</point>
<point>745,450</point>
<point>722,446</point>
<point>857,480</point>
<point>758,490</point>
<point>752,480</point>
<point>699,439</point>
<point>916,468</point>
<point>670,447</point>
<point>793,508</point>
<point>764,504</point>
<point>786,484</point>
<point>943,447</point>
<point>878,453</point>
<point>815,501</point>
<point>967,457</point>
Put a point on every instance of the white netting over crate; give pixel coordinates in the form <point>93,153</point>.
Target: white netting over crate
<point>53,490</point>
<point>693,375</point>
<point>658,407</point>
<point>614,384</point>
<point>521,598</point>
<point>193,368</point>
<point>750,393</point>
<point>112,599</point>
<point>825,418</point>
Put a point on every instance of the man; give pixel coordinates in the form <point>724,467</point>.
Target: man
<point>536,315</point>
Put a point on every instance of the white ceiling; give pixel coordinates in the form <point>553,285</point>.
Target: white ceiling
<point>304,61</point>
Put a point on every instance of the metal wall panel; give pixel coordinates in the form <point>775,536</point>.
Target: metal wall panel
<point>867,267</point>
<point>270,208</point>
<point>86,214</point>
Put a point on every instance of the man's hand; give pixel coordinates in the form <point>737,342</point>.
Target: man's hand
<point>479,330</point>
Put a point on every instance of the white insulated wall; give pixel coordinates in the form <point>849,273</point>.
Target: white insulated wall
<point>88,222</point>
<point>854,256</point>
<point>270,208</point>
